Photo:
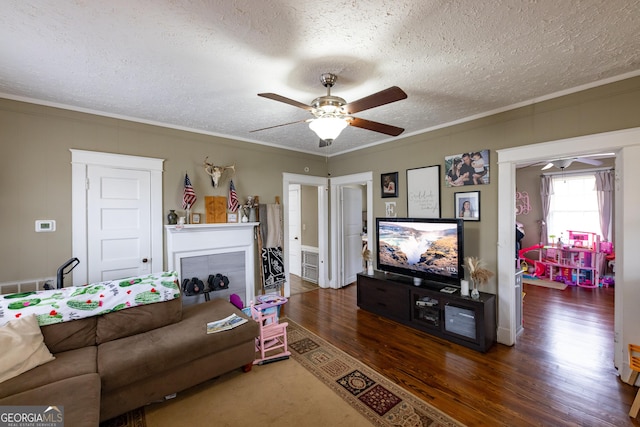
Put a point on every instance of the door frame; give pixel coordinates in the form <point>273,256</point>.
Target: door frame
<point>80,161</point>
<point>323,225</point>
<point>363,178</point>
<point>626,145</point>
<point>297,187</point>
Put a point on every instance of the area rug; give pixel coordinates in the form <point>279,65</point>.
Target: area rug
<point>545,283</point>
<point>319,385</point>
<point>383,402</point>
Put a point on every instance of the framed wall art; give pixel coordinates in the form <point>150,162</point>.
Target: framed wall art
<point>467,205</point>
<point>464,169</point>
<point>389,184</point>
<point>423,192</point>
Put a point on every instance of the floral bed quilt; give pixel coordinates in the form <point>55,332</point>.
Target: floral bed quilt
<point>76,302</point>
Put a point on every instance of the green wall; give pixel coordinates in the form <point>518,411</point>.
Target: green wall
<point>36,171</point>
<point>602,109</point>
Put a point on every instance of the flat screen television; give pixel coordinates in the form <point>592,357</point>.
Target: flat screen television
<point>425,248</point>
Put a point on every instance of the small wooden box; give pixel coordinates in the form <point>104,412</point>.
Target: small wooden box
<point>216,208</point>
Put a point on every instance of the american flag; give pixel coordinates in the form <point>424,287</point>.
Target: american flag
<point>233,198</point>
<point>188,196</point>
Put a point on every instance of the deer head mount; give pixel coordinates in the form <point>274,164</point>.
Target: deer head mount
<point>215,172</point>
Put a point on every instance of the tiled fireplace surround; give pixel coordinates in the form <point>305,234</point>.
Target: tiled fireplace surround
<point>198,250</point>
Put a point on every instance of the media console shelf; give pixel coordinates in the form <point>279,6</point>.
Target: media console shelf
<point>463,320</point>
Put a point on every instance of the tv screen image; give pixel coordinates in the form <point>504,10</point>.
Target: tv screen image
<point>427,248</point>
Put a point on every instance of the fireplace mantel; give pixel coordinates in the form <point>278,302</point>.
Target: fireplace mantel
<point>210,239</point>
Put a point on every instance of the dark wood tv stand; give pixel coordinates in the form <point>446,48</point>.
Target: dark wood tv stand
<point>463,320</point>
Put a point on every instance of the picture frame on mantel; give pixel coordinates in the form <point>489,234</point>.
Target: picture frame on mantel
<point>423,192</point>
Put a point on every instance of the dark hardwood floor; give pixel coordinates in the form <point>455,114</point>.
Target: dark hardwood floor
<point>560,372</point>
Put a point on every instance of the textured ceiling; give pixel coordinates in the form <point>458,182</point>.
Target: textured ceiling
<point>199,65</point>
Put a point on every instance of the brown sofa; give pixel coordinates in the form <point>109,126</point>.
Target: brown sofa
<point>109,364</point>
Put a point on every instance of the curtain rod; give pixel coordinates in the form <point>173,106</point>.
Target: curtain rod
<point>576,172</point>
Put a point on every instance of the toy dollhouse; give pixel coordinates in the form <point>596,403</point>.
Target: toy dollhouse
<point>578,261</point>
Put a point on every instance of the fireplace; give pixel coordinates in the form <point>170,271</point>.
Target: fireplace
<point>197,250</point>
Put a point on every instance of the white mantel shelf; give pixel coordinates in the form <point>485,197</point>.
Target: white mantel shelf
<point>224,225</point>
<point>210,239</point>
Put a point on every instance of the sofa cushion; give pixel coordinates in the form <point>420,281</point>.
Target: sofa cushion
<point>22,346</point>
<point>66,365</point>
<point>79,395</point>
<point>136,320</point>
<point>131,359</point>
<point>70,335</point>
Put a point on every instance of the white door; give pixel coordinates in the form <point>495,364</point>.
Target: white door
<point>295,245</point>
<point>119,223</point>
<point>352,233</point>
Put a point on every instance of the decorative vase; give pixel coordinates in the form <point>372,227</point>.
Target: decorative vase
<point>252,214</point>
<point>172,217</point>
<point>475,293</point>
<point>370,269</point>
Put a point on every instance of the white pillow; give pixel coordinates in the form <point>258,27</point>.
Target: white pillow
<point>22,347</point>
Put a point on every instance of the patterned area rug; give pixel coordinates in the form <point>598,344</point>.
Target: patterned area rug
<point>133,418</point>
<point>376,398</point>
<point>379,399</point>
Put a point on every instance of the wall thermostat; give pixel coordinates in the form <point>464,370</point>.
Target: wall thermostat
<point>45,225</point>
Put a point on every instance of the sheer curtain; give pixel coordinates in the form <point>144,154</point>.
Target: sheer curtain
<point>546,190</point>
<point>604,189</point>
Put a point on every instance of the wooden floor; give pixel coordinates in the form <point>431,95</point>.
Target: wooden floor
<point>299,285</point>
<point>560,372</point>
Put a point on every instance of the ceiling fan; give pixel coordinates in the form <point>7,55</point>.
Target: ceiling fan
<point>331,114</point>
<point>565,163</point>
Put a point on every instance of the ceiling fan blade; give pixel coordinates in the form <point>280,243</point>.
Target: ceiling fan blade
<point>277,126</point>
<point>377,99</point>
<point>286,100</point>
<point>588,161</point>
<point>375,126</point>
<point>547,166</point>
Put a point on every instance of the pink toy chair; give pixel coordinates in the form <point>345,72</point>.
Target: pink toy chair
<point>273,336</point>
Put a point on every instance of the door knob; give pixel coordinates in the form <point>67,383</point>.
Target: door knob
<point>145,260</point>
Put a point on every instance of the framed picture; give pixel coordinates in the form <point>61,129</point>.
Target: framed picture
<point>389,183</point>
<point>196,218</point>
<point>232,217</point>
<point>423,192</point>
<point>467,205</point>
<point>464,169</point>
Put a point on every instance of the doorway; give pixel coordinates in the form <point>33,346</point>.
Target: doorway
<point>303,238</point>
<point>340,232</point>
<point>626,145</point>
<point>320,184</point>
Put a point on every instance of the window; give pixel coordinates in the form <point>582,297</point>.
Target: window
<point>573,205</point>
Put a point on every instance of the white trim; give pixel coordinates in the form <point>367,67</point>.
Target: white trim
<point>323,225</point>
<point>80,160</point>
<point>625,143</point>
<point>336,226</point>
<point>589,171</point>
<point>532,101</point>
<point>211,239</point>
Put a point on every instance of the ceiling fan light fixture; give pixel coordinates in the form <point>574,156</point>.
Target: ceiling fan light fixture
<point>328,128</point>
